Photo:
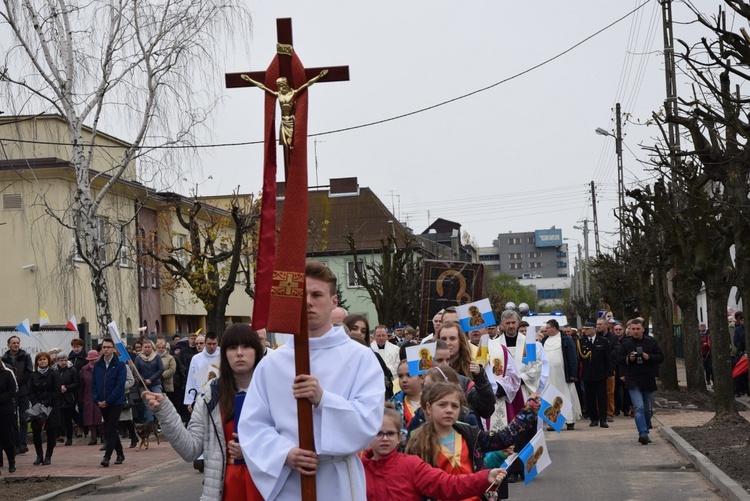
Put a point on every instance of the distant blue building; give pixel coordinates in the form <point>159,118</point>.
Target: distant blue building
<point>528,255</point>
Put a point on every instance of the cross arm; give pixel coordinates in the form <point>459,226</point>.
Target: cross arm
<point>335,74</point>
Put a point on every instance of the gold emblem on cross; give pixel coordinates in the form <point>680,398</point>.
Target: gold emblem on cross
<point>287,284</point>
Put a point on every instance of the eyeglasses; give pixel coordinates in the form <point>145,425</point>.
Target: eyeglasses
<point>387,434</point>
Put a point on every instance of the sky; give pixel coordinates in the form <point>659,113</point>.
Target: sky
<point>517,156</point>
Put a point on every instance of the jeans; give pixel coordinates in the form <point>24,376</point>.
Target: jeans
<point>642,405</point>
<point>145,413</point>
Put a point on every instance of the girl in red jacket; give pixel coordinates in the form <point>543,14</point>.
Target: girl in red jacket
<point>393,475</point>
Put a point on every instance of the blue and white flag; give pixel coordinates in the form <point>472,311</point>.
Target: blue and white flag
<point>117,340</point>
<point>473,316</point>
<point>555,408</point>
<point>530,355</point>
<point>24,327</point>
<point>535,457</point>
<point>419,358</point>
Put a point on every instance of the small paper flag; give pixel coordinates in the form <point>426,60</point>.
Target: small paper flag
<point>555,408</point>
<point>419,358</point>
<point>483,349</point>
<point>24,327</point>
<point>535,457</point>
<point>117,340</point>
<point>43,318</point>
<point>530,345</point>
<point>142,329</point>
<point>473,316</point>
<point>72,325</point>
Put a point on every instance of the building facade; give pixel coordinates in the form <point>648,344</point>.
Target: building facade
<point>528,255</point>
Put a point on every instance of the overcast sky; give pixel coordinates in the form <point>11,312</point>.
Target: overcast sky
<point>517,157</point>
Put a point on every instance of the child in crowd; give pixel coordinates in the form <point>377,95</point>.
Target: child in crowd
<point>393,475</point>
<point>458,448</point>
<point>406,401</point>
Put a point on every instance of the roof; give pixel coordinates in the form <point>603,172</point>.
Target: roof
<point>333,218</point>
<point>441,225</point>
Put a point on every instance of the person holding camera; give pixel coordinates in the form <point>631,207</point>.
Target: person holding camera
<point>640,356</point>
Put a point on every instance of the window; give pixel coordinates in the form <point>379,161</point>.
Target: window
<point>535,265</point>
<point>515,240</point>
<point>489,257</point>
<point>562,254</point>
<point>154,269</point>
<point>180,249</point>
<point>124,246</point>
<point>514,255</point>
<point>562,264</point>
<point>351,274</point>
<point>141,257</point>
<point>549,293</point>
<point>515,266</point>
<point>532,240</point>
<point>562,275</point>
<point>533,255</point>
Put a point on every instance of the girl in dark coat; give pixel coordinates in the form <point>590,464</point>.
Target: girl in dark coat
<point>69,398</point>
<point>44,388</point>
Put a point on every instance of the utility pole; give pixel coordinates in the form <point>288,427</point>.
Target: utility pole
<point>670,104</point>
<point>596,220</point>
<point>620,183</point>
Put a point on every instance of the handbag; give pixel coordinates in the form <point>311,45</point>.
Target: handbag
<point>38,412</point>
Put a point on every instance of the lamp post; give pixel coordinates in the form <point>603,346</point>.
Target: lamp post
<point>620,183</point>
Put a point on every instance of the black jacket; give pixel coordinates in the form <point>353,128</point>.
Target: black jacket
<point>642,375</point>
<point>71,382</point>
<point>8,392</point>
<point>596,359</point>
<point>45,388</point>
<point>23,366</point>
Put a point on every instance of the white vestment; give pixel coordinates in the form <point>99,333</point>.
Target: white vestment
<point>389,354</point>
<point>198,361</point>
<point>509,380</point>
<point>553,348</point>
<point>345,421</point>
<point>533,374</point>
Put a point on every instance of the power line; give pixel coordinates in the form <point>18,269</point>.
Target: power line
<point>377,122</point>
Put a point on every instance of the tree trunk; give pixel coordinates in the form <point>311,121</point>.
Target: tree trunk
<point>664,330</point>
<point>216,320</point>
<point>717,293</point>
<point>686,289</point>
<point>101,301</point>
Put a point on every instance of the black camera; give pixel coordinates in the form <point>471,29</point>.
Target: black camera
<point>639,354</point>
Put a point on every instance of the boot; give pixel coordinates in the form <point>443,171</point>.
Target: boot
<point>12,466</point>
<point>47,459</point>
<point>39,460</point>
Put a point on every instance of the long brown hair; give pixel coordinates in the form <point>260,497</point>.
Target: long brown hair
<point>462,360</point>
<point>424,441</point>
<point>235,335</point>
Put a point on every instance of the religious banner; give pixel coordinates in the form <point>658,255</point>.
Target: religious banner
<point>473,316</point>
<point>448,283</point>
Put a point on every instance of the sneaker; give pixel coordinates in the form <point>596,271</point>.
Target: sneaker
<point>643,439</point>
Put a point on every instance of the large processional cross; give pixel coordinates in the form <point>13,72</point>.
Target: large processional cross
<point>280,304</point>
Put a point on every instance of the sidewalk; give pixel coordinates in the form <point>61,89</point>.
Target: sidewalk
<point>81,460</point>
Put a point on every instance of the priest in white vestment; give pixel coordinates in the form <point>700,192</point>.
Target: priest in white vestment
<point>347,392</point>
<point>563,367</point>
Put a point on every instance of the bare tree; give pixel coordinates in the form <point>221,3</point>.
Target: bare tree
<point>219,248</point>
<point>125,62</point>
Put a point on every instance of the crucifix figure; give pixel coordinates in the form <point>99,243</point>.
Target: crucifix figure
<point>286,95</point>
<point>286,451</point>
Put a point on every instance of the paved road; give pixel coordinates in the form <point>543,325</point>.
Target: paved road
<point>174,480</point>
<point>608,464</point>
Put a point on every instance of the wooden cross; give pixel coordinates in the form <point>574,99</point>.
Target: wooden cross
<point>285,49</point>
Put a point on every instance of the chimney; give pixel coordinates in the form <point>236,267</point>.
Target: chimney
<point>343,187</point>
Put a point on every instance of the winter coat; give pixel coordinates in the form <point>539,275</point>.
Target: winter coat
<point>23,367</point>
<point>150,367</point>
<point>78,359</point>
<point>45,389</point>
<point>204,435</point>
<point>108,383</point>
<point>8,392</point>
<point>479,394</point>
<point>405,477</point>
<point>170,369</point>
<point>71,382</point>
<point>642,375</point>
<point>92,416</point>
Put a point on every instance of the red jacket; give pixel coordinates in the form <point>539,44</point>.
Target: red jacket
<point>405,477</point>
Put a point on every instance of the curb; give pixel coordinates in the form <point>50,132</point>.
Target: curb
<point>98,483</point>
<point>721,480</point>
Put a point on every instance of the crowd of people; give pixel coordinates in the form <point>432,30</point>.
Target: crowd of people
<point>222,403</point>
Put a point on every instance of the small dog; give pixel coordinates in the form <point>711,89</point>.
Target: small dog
<point>144,431</point>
